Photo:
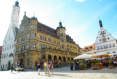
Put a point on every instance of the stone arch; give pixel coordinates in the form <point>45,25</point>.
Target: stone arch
<point>64,60</point>
<point>55,58</point>
<point>49,57</point>
<point>60,58</point>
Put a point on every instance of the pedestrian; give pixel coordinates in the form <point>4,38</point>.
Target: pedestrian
<point>44,66</point>
<point>18,70</point>
<point>47,67</point>
<point>12,68</point>
<point>51,67</point>
<point>38,68</point>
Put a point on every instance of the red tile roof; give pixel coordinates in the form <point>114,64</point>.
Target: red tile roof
<point>0,49</point>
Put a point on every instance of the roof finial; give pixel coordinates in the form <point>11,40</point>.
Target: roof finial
<point>25,13</point>
<point>60,20</point>
<point>33,13</point>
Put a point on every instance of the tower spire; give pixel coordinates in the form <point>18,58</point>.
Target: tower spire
<point>17,3</point>
<point>100,23</point>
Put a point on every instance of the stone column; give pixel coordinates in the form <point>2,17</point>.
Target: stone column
<point>57,58</point>
<point>46,57</point>
<point>52,58</point>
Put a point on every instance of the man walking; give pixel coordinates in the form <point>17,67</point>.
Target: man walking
<point>38,68</point>
<point>12,68</point>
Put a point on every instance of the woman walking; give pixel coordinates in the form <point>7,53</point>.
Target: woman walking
<point>47,67</point>
<point>38,68</point>
<point>51,68</point>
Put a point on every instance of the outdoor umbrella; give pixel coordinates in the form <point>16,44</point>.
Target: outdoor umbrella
<point>100,55</point>
<point>83,56</point>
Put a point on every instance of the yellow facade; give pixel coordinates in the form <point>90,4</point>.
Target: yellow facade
<point>35,45</point>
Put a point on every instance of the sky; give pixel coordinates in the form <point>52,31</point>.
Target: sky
<point>79,17</point>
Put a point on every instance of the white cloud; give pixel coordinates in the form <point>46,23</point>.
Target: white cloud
<point>80,0</point>
<point>99,0</point>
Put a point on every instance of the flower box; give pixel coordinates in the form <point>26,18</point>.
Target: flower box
<point>83,68</point>
<point>94,67</point>
<point>110,66</point>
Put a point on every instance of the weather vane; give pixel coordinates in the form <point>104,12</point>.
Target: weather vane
<point>34,14</point>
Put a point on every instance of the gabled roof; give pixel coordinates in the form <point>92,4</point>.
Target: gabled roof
<point>44,29</point>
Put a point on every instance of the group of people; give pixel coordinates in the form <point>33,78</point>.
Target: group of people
<point>48,67</point>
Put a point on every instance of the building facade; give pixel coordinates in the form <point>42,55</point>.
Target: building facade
<point>36,42</point>
<point>105,42</point>
<point>8,47</point>
<point>88,50</point>
<point>0,56</point>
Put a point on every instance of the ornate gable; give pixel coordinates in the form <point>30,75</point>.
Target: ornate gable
<point>25,23</point>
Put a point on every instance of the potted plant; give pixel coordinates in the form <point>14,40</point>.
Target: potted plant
<point>95,64</point>
<point>71,65</point>
<point>75,62</point>
<point>83,66</point>
<point>110,64</point>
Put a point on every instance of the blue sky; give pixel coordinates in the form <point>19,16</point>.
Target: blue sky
<point>80,17</point>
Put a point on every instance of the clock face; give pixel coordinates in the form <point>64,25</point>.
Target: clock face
<point>104,40</point>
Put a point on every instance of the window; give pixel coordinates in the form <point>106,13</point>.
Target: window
<point>35,34</point>
<point>97,48</point>
<point>101,47</point>
<point>10,46</point>
<point>26,46</point>
<point>32,34</point>
<point>23,47</point>
<point>40,37</point>
<point>45,38</point>
<point>109,45</point>
<point>40,46</point>
<point>61,35</point>
<point>62,40</point>
<point>113,45</point>
<point>63,47</point>
<point>33,45</point>
<point>108,38</point>
<point>114,52</point>
<point>100,39</point>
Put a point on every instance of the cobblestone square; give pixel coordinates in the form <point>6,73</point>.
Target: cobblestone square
<point>62,73</point>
